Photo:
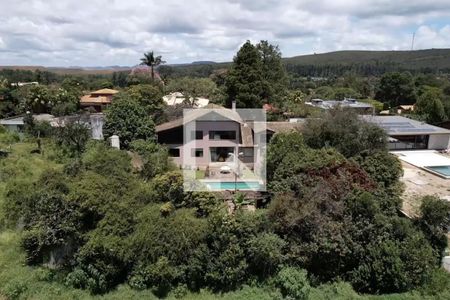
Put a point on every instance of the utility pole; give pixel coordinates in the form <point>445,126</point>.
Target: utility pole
<point>412,42</point>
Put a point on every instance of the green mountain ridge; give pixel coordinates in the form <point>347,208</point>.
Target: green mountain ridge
<point>412,59</point>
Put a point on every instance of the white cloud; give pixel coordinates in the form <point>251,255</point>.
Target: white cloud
<point>117,32</point>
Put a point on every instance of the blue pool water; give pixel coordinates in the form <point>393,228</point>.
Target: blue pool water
<point>220,186</point>
<point>443,170</point>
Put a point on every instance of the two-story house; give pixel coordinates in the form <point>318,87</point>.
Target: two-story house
<point>98,100</point>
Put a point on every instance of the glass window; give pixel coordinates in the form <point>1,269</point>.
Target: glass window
<point>174,152</point>
<point>248,152</point>
<point>220,154</point>
<point>197,135</point>
<point>197,152</point>
<point>222,135</point>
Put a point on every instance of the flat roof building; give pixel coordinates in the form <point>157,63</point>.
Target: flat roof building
<point>411,134</point>
<point>360,107</point>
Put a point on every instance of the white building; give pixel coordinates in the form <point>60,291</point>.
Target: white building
<point>408,134</point>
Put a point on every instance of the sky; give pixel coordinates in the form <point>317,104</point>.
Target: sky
<point>117,32</point>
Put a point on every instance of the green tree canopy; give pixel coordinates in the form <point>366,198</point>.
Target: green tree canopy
<point>430,106</point>
<point>396,89</point>
<point>256,76</point>
<point>128,119</point>
<point>273,72</point>
<point>193,88</point>
<point>244,82</point>
<point>344,131</point>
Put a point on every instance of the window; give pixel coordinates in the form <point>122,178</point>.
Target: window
<point>222,135</point>
<point>403,142</point>
<point>197,135</point>
<point>197,152</point>
<point>220,154</point>
<point>174,152</point>
<point>248,152</point>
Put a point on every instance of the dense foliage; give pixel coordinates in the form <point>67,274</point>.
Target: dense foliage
<point>82,218</point>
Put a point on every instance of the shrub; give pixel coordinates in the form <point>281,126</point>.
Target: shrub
<point>293,283</point>
<point>161,276</point>
<point>265,253</point>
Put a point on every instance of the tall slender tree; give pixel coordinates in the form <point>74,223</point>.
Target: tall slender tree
<point>152,61</point>
<point>244,83</point>
<point>273,72</point>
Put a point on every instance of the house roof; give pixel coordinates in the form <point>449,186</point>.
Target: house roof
<point>406,107</point>
<point>202,114</point>
<point>89,100</point>
<point>327,104</point>
<point>18,120</point>
<point>398,125</point>
<point>285,126</point>
<point>279,126</point>
<point>104,92</point>
<point>178,98</point>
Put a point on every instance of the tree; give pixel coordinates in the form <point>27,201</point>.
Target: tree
<point>385,168</point>
<point>155,158</point>
<point>343,130</point>
<point>434,221</point>
<point>37,99</point>
<point>151,61</point>
<point>293,283</point>
<point>72,137</point>
<point>244,83</point>
<point>193,88</point>
<point>150,97</point>
<point>430,106</point>
<point>129,120</point>
<point>273,72</point>
<point>342,92</point>
<point>396,89</point>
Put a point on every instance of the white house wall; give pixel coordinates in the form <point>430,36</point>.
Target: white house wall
<point>439,141</point>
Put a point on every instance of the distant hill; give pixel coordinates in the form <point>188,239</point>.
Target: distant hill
<point>69,70</point>
<point>338,63</point>
<point>366,63</point>
<point>203,62</point>
<point>415,59</point>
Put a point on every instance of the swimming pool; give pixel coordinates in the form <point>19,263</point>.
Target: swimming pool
<point>240,185</point>
<point>443,171</point>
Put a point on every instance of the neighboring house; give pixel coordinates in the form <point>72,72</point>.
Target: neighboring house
<point>359,107</point>
<point>19,84</point>
<point>98,99</point>
<point>206,137</point>
<point>405,109</point>
<point>16,123</point>
<point>178,98</point>
<point>408,134</point>
<point>93,121</point>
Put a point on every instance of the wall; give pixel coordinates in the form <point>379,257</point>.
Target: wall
<point>439,141</point>
<point>205,143</point>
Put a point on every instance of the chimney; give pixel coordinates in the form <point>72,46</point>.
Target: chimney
<point>233,105</point>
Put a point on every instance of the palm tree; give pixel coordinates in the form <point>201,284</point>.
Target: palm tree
<point>151,60</point>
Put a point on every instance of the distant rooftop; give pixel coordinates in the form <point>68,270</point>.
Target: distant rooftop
<point>398,125</point>
<point>327,104</point>
<point>104,92</point>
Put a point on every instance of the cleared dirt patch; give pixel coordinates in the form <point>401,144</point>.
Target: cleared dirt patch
<point>419,183</point>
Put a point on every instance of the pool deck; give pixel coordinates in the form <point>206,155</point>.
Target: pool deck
<point>420,182</point>
<point>424,159</point>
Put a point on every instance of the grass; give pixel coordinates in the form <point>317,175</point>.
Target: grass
<point>199,174</point>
